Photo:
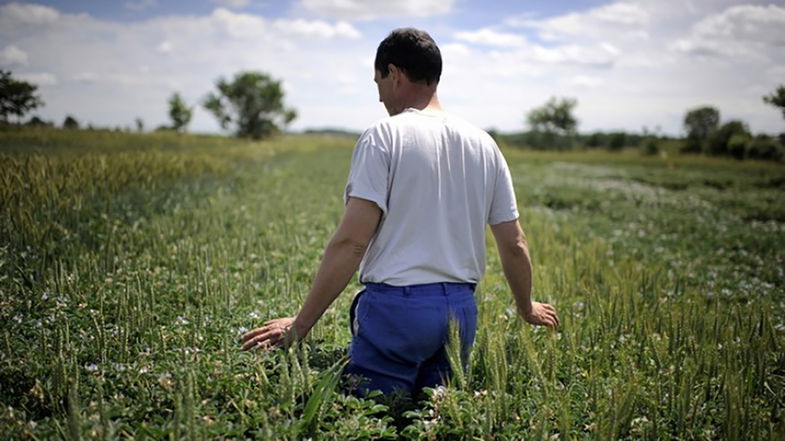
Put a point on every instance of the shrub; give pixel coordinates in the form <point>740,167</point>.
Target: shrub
<point>717,144</point>
<point>651,146</point>
<point>764,147</point>
<point>737,145</point>
<point>617,141</point>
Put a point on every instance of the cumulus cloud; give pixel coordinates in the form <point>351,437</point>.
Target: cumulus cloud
<point>628,19</point>
<point>140,5</point>
<point>165,47</point>
<point>739,31</point>
<point>629,63</point>
<point>84,60</point>
<point>318,28</point>
<point>25,14</point>
<point>374,9</point>
<point>39,78</point>
<point>233,4</point>
<point>491,38</point>
<point>13,56</point>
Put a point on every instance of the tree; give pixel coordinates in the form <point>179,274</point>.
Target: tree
<point>179,112</point>
<point>252,103</point>
<point>37,121</point>
<point>777,99</point>
<point>718,142</point>
<point>554,117</point>
<point>700,123</point>
<point>70,123</point>
<point>17,97</point>
<point>617,141</point>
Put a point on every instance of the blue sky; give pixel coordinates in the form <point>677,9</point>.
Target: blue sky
<point>630,64</point>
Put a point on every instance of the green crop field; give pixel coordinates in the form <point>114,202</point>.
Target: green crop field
<point>131,264</point>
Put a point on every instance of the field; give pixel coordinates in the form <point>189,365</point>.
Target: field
<point>130,265</point>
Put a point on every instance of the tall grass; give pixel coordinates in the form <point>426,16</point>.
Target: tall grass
<point>129,267</point>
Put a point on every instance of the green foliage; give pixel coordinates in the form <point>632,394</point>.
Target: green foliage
<point>699,124</point>
<point>617,141</point>
<point>252,103</point>
<point>777,99</point>
<point>594,140</point>
<point>179,113</point>
<point>17,97</point>
<point>132,263</point>
<point>737,145</point>
<point>37,121</point>
<point>554,117</point>
<point>651,146</point>
<point>70,123</point>
<point>718,141</point>
<point>766,148</point>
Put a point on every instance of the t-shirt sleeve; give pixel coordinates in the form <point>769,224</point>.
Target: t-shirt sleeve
<point>369,172</point>
<point>504,207</point>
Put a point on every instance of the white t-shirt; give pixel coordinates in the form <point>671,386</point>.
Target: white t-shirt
<point>438,181</point>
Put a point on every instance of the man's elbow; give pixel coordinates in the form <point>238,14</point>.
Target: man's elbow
<point>514,249</point>
<point>354,246</point>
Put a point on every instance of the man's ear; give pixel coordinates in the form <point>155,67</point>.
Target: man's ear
<point>395,72</point>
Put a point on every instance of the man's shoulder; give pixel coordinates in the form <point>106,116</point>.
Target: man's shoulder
<point>412,119</point>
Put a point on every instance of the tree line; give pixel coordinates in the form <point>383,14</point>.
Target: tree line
<point>251,105</point>
<point>553,126</point>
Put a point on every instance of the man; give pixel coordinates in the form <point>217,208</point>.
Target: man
<point>422,187</point>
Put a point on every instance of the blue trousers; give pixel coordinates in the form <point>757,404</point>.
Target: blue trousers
<point>400,333</point>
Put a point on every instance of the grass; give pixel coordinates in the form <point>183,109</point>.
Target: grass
<point>130,265</point>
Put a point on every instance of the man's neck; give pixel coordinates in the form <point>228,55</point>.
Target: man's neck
<point>428,101</point>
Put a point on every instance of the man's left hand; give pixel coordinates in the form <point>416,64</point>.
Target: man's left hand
<point>274,333</point>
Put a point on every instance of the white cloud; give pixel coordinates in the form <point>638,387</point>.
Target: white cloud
<point>39,78</point>
<point>85,77</point>
<point>739,31</point>
<point>234,4</point>
<point>586,81</point>
<point>165,47</point>
<point>140,5</point>
<point>110,72</point>
<point>619,63</point>
<point>491,38</point>
<point>318,28</point>
<point>374,9</point>
<point>621,13</point>
<point>623,18</point>
<point>12,55</point>
<point>27,14</point>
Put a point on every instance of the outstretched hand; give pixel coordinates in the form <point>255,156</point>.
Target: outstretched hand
<point>541,314</point>
<point>274,333</point>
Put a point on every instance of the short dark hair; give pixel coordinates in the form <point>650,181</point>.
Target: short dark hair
<point>414,52</point>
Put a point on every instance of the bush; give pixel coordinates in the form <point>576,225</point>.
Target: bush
<point>692,145</point>
<point>70,123</point>
<point>764,147</point>
<point>594,140</point>
<point>737,146</point>
<point>717,144</point>
<point>617,141</point>
<point>651,146</point>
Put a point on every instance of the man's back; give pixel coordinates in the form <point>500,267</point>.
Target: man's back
<point>439,181</point>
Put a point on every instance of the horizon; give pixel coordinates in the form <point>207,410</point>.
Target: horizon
<point>631,65</point>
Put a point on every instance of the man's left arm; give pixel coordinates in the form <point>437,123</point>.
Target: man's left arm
<point>341,259</point>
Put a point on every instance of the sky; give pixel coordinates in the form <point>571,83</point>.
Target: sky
<point>631,65</point>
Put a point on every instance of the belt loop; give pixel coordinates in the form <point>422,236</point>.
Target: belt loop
<point>444,288</point>
<point>407,291</point>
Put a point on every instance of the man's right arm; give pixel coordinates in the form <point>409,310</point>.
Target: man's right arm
<point>514,254</point>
